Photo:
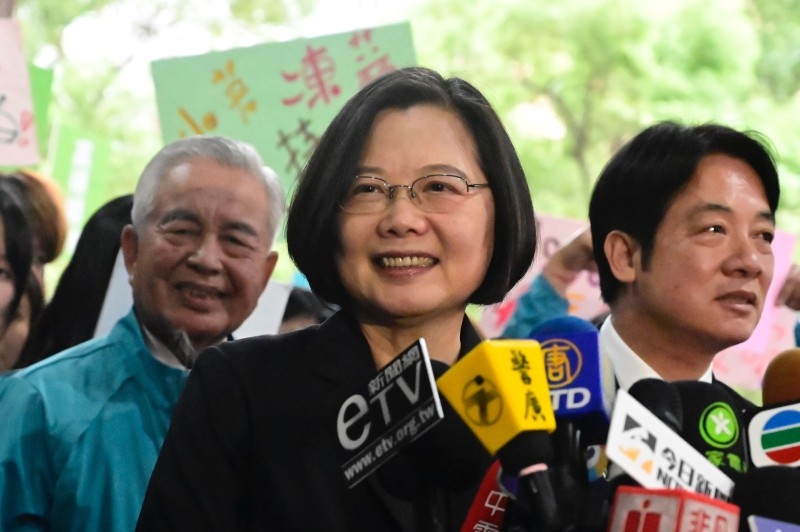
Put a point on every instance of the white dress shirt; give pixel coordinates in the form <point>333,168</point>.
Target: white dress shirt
<point>621,366</point>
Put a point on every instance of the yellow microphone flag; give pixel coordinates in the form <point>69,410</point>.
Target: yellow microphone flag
<point>500,390</point>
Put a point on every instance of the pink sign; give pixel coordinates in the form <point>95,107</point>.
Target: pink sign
<point>743,365</point>
<point>18,144</point>
<point>583,295</point>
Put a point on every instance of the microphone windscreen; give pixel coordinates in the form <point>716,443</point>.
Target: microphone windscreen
<point>499,389</point>
<point>526,449</point>
<point>662,399</point>
<point>770,491</point>
<point>575,375</point>
<point>562,324</point>
<point>713,424</point>
<point>782,379</point>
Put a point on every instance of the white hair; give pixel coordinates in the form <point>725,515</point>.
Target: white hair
<point>224,151</point>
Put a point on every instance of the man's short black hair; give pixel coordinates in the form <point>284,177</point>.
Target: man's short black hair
<point>637,186</point>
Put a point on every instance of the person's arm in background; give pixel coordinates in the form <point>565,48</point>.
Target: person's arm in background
<point>547,295</point>
<point>790,296</point>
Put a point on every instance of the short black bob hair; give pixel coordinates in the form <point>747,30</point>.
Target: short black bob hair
<point>638,185</point>
<point>312,228</point>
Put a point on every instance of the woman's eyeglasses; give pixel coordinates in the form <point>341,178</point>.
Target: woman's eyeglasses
<point>434,193</point>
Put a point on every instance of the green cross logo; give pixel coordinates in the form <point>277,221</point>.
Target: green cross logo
<point>719,426</point>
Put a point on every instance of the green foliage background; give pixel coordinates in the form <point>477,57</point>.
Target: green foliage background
<point>572,79</point>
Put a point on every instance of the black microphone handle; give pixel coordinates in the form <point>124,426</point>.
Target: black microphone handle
<point>535,508</point>
<point>529,455</point>
<point>569,472</point>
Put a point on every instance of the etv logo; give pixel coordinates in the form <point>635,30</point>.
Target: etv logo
<point>563,362</point>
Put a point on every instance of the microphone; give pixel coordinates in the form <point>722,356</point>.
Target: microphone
<point>393,409</point>
<point>500,391</point>
<point>662,399</point>
<point>713,424</point>
<point>782,378</point>
<point>769,489</point>
<point>774,435</point>
<point>655,455</point>
<point>770,492</point>
<point>638,509</point>
<point>762,524</point>
<point>573,368</point>
<point>695,506</point>
<point>774,432</point>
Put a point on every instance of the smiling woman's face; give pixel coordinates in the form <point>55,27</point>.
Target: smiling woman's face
<point>405,262</point>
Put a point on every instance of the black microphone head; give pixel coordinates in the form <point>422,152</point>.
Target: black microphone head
<point>662,399</point>
<point>714,424</point>
<point>536,506</point>
<point>527,448</point>
<point>770,492</point>
<point>575,375</point>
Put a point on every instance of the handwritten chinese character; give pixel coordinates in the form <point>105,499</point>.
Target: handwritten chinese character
<point>377,65</point>
<point>317,75</point>
<point>208,123</point>
<point>533,409</point>
<point>235,89</point>
<point>307,140</point>
<point>519,362</point>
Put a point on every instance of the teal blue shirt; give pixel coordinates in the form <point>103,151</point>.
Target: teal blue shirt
<point>80,433</point>
<point>538,303</point>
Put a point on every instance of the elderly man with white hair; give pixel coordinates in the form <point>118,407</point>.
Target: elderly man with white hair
<point>79,442</point>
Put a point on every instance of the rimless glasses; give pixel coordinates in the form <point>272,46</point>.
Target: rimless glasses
<point>434,193</point>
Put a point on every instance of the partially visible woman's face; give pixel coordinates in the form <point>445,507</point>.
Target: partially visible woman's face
<point>6,276</point>
<point>402,261</point>
<point>13,340</point>
<point>6,284</point>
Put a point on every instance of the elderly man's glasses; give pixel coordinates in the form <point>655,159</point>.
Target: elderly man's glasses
<point>435,193</point>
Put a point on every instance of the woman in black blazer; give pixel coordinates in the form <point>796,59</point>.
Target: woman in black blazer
<point>413,205</point>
